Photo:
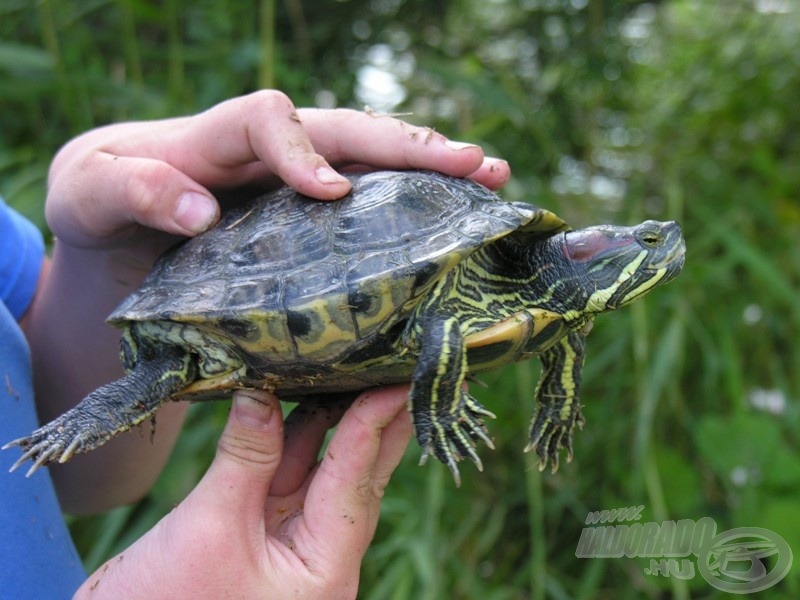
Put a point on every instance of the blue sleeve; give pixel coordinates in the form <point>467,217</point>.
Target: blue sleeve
<point>37,556</point>
<point>21,256</point>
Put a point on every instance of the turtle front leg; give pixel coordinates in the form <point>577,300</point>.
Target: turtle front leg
<point>109,410</point>
<point>558,407</point>
<point>448,421</point>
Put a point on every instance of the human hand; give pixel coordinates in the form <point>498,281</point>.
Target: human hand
<point>267,521</point>
<point>117,197</point>
<point>106,186</point>
<point>120,194</point>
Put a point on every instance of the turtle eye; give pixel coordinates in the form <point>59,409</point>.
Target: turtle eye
<point>650,234</point>
<point>650,239</point>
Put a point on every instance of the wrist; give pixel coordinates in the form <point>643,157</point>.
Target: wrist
<point>112,272</point>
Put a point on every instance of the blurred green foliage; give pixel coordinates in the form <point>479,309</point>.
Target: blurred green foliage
<point>607,110</point>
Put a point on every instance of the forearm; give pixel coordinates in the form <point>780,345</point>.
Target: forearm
<point>74,351</point>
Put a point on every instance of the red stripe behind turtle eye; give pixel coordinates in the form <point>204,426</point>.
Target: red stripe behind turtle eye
<point>585,245</point>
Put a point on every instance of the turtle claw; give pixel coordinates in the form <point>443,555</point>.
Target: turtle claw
<point>55,442</point>
<point>74,447</point>
<point>480,433</point>
<point>453,466</point>
<point>20,460</point>
<point>29,454</point>
<point>48,455</point>
<point>476,459</point>
<point>451,462</point>
<point>454,436</point>
<point>549,434</point>
<point>40,453</point>
<point>547,444</point>
<point>12,443</point>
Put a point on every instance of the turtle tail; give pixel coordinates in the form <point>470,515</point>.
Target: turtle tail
<point>110,409</point>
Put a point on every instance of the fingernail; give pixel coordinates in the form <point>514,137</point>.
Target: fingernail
<point>327,176</point>
<point>252,412</point>
<point>459,145</point>
<point>195,212</point>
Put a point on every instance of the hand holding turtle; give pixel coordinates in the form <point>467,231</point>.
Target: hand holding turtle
<point>266,521</point>
<point>114,190</point>
<point>161,175</point>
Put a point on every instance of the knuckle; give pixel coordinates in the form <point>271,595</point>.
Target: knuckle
<point>248,450</point>
<point>378,489</point>
<point>368,490</point>
<point>347,115</point>
<point>270,100</point>
<point>141,189</point>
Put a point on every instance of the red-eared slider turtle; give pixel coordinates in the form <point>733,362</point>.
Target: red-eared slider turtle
<point>414,276</point>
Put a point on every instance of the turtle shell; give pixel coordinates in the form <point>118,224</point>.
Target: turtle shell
<point>288,278</point>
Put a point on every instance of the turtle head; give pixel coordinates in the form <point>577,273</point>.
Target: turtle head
<point>620,264</point>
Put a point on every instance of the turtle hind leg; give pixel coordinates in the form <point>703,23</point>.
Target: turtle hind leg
<point>558,408</point>
<point>109,410</point>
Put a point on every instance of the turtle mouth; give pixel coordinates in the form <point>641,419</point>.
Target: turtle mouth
<point>678,257</point>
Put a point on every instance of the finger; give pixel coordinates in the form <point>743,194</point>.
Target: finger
<point>343,500</point>
<point>248,454</point>
<point>304,434</point>
<point>300,145</point>
<point>116,193</point>
<point>493,173</point>
<point>347,136</point>
<point>394,442</point>
<point>263,127</point>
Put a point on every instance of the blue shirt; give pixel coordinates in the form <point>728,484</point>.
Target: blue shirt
<point>37,557</point>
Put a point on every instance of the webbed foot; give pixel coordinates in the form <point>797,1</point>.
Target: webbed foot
<point>550,432</point>
<point>59,440</point>
<point>452,435</point>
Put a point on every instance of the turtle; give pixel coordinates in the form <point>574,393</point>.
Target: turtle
<point>414,276</point>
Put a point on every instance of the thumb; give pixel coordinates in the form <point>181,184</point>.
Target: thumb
<point>162,197</point>
<point>248,453</point>
<point>112,193</point>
